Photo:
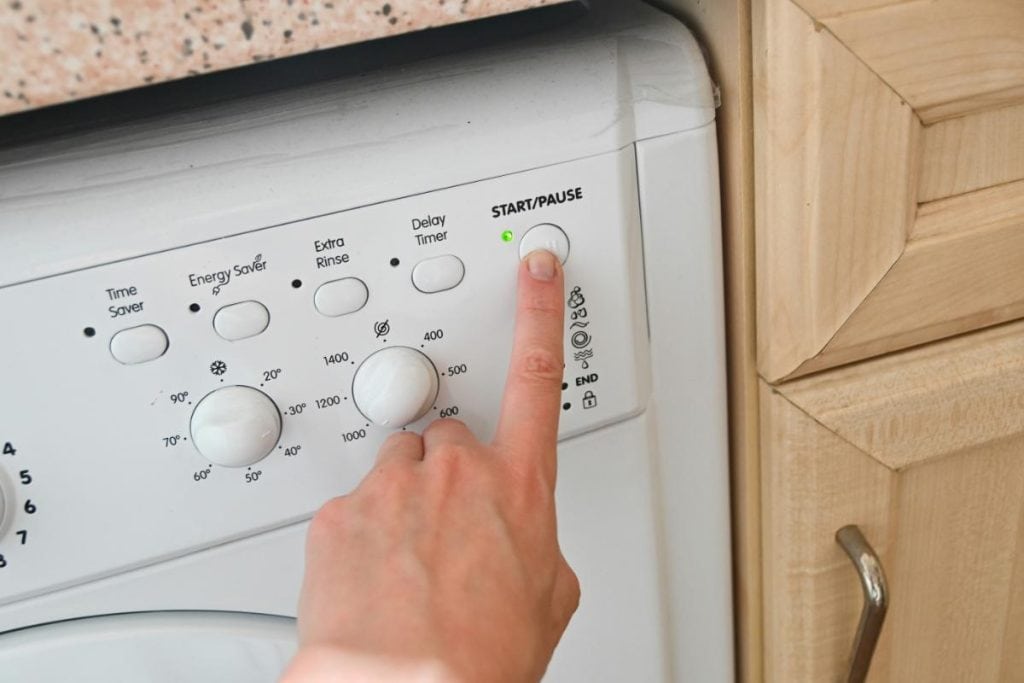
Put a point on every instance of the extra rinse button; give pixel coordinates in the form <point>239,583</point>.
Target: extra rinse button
<point>138,344</point>
<point>241,320</point>
<point>545,236</point>
<point>341,297</point>
<point>438,274</point>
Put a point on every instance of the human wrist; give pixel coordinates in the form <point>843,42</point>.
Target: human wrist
<point>327,664</point>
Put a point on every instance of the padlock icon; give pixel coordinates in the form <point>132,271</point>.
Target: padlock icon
<point>589,400</point>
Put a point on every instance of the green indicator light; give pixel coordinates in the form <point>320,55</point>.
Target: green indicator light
<point>507,236</point>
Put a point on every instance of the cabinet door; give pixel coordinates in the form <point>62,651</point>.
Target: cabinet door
<point>924,451</point>
<point>889,157</point>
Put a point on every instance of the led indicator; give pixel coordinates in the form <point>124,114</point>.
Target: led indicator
<point>507,236</point>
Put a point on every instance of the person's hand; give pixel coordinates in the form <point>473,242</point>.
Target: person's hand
<point>444,564</point>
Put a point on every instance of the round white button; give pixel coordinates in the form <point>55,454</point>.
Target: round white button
<point>395,386</point>
<point>138,344</point>
<point>438,274</point>
<point>235,426</point>
<point>242,320</point>
<point>3,509</point>
<point>545,236</point>
<point>341,297</point>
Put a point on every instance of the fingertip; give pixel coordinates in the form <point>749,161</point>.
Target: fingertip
<point>542,265</point>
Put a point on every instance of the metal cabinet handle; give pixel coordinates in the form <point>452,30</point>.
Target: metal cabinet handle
<point>876,599</point>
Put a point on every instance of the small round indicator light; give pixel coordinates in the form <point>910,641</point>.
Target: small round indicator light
<point>507,236</point>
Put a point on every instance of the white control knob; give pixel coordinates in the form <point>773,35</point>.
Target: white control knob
<point>235,426</point>
<point>395,386</point>
<point>3,509</point>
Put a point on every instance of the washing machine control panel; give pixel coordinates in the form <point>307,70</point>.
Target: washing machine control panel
<point>163,403</point>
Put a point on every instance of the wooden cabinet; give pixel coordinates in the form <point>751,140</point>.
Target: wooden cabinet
<point>873,207</point>
<point>924,450</point>
<point>889,157</point>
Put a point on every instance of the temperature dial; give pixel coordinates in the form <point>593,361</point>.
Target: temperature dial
<point>395,386</point>
<point>235,426</point>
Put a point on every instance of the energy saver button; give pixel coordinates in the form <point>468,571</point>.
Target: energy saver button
<point>241,320</point>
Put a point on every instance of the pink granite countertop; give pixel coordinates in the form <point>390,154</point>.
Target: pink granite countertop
<point>54,51</point>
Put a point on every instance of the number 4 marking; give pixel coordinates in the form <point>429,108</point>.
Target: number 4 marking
<point>9,449</point>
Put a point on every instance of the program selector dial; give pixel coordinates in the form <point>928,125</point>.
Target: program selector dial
<point>395,386</point>
<point>235,426</point>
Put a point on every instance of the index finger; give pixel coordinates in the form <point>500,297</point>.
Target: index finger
<point>528,426</point>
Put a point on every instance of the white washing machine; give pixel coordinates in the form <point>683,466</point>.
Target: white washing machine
<point>245,259</point>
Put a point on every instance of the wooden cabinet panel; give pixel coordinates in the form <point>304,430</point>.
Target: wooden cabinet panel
<point>944,57</point>
<point>972,152</point>
<point>874,231</point>
<point>924,450</point>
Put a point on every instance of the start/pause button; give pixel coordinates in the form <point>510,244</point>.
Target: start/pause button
<point>545,236</point>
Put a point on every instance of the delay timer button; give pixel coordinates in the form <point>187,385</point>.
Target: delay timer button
<point>438,274</point>
<point>241,320</point>
<point>341,297</point>
<point>138,344</point>
<point>545,236</point>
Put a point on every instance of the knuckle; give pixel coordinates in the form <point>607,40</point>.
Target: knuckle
<point>541,365</point>
<point>330,518</point>
<point>446,426</point>
<point>396,439</point>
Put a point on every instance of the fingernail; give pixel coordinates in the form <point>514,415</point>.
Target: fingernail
<point>541,264</point>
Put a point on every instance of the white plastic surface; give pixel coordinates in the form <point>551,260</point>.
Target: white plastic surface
<point>134,425</point>
<point>168,647</point>
<point>235,426</point>
<point>242,320</point>
<point>438,273</point>
<point>545,236</point>
<point>138,344</point>
<point>341,297</point>
<point>395,387</point>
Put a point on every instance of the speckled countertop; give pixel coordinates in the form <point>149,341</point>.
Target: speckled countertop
<point>55,51</point>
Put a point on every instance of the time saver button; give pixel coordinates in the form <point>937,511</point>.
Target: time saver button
<point>341,297</point>
<point>138,344</point>
<point>438,274</point>
<point>241,320</point>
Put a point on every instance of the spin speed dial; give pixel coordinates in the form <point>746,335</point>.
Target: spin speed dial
<point>395,386</point>
<point>235,426</point>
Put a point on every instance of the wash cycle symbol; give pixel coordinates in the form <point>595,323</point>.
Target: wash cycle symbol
<point>580,338</point>
<point>381,327</point>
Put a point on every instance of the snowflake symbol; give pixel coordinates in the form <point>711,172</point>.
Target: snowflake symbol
<point>218,367</point>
